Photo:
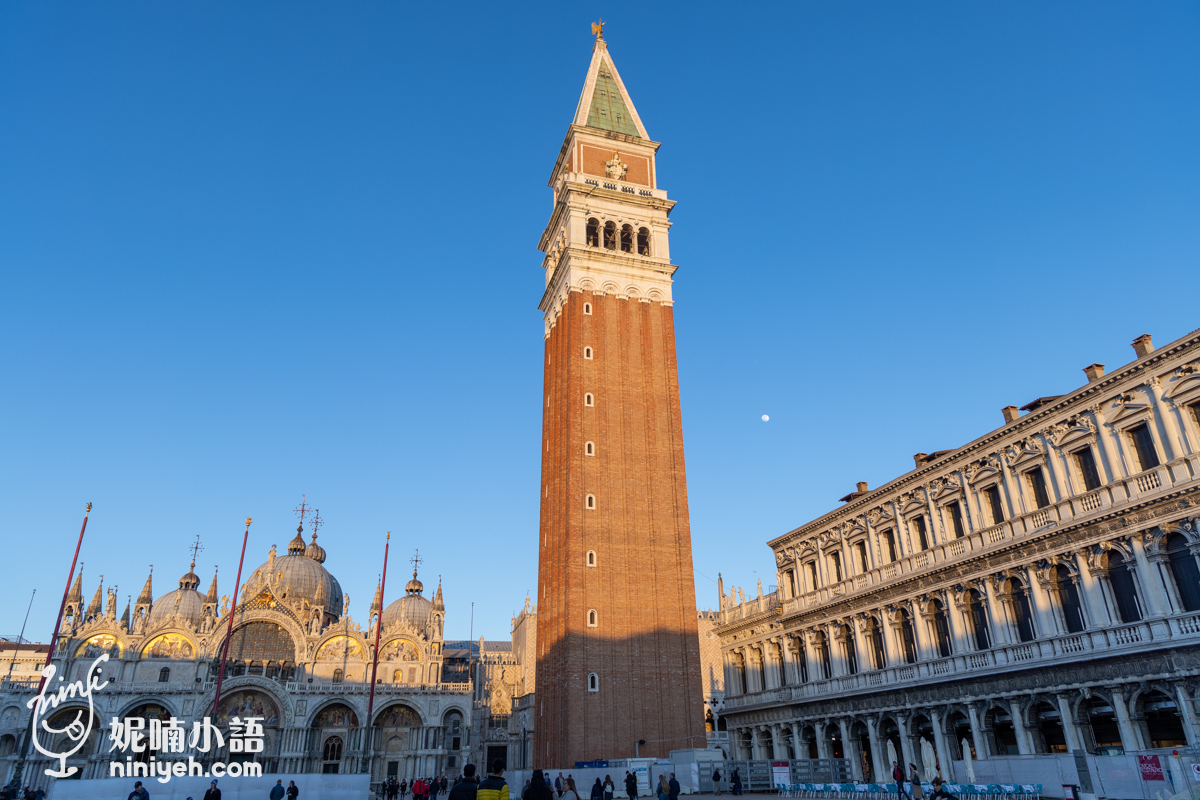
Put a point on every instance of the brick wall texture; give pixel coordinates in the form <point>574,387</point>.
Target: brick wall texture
<point>644,647</point>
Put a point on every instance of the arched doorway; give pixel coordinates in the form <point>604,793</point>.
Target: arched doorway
<point>889,735</point>
<point>243,703</point>
<point>1102,732</point>
<point>962,741</point>
<point>866,759</point>
<point>149,712</point>
<point>1159,717</point>
<point>833,735</point>
<point>57,740</point>
<point>1001,733</point>
<point>335,730</point>
<point>397,736</point>
<point>809,742</point>
<point>1047,728</point>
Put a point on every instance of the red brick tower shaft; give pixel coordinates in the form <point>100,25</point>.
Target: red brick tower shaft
<point>618,653</point>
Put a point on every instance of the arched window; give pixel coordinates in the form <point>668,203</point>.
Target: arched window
<point>587,309</point>
<point>591,502</point>
<point>591,558</point>
<point>589,449</point>
<point>979,618</point>
<point>610,235</point>
<point>593,682</point>
<point>332,751</point>
<point>907,637</point>
<point>593,232</point>
<point>337,676</point>
<point>1021,611</point>
<point>643,240</point>
<point>1068,599</point>
<point>588,400</point>
<point>591,618</point>
<point>1184,571</point>
<point>941,629</point>
<point>626,239</point>
<point>1123,587</point>
<point>164,675</point>
<point>587,353</point>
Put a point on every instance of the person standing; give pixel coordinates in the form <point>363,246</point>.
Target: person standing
<point>538,789</point>
<point>213,792</point>
<point>914,778</point>
<point>138,793</point>
<point>630,785</point>
<point>673,788</point>
<point>558,784</point>
<point>293,791</point>
<point>493,787</point>
<point>597,790</point>
<point>403,788</point>
<point>435,786</point>
<point>569,792</point>
<point>277,790</point>
<point>898,777</point>
<point>717,780</point>
<point>735,781</point>
<point>609,787</point>
<point>663,789</point>
<point>467,788</point>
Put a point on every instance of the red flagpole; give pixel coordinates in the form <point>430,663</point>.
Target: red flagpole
<point>16,777</point>
<point>63,605</point>
<point>237,584</point>
<point>378,627</point>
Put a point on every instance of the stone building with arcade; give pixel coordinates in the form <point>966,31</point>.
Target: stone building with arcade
<point>1036,590</point>
<point>296,658</point>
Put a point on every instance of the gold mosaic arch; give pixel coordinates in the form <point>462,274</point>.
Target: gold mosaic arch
<point>340,648</point>
<point>398,715</point>
<point>169,645</point>
<point>400,649</point>
<point>248,702</point>
<point>98,645</point>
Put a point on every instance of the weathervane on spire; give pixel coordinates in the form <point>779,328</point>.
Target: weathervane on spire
<point>598,29</point>
<point>315,523</point>
<point>416,561</point>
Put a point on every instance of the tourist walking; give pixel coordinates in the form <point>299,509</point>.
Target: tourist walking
<point>213,792</point>
<point>293,791</point>
<point>609,787</point>
<point>277,790</point>
<point>898,777</point>
<point>138,793</point>
<point>558,784</point>
<point>717,780</point>
<point>569,792</point>
<point>468,787</point>
<point>914,778</point>
<point>493,787</point>
<point>630,785</point>
<point>435,786</point>
<point>735,781</point>
<point>538,789</point>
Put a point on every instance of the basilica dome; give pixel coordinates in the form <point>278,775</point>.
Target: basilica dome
<point>186,600</point>
<point>300,576</point>
<point>411,608</point>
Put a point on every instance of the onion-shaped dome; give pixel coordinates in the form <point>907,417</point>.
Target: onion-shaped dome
<point>301,576</point>
<point>315,551</point>
<point>411,608</point>
<point>185,601</point>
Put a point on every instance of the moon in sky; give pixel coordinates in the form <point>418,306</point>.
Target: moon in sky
<point>765,418</point>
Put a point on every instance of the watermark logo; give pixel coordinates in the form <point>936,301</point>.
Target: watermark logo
<point>147,741</point>
<point>76,731</point>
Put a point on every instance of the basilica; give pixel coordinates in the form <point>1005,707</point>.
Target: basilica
<point>296,658</point>
<point>1034,591</point>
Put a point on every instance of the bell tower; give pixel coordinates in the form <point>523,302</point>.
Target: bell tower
<point>618,654</point>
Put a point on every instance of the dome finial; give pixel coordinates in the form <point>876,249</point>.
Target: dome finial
<point>415,586</point>
<point>314,550</point>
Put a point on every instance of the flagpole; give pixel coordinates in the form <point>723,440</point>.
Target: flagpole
<point>237,584</point>
<point>16,780</point>
<point>378,627</point>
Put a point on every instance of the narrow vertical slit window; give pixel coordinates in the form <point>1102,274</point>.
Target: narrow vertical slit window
<point>588,400</point>
<point>592,618</point>
<point>587,353</point>
<point>591,502</point>
<point>587,309</point>
<point>589,449</point>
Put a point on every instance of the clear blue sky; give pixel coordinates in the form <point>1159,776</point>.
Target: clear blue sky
<point>249,251</point>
